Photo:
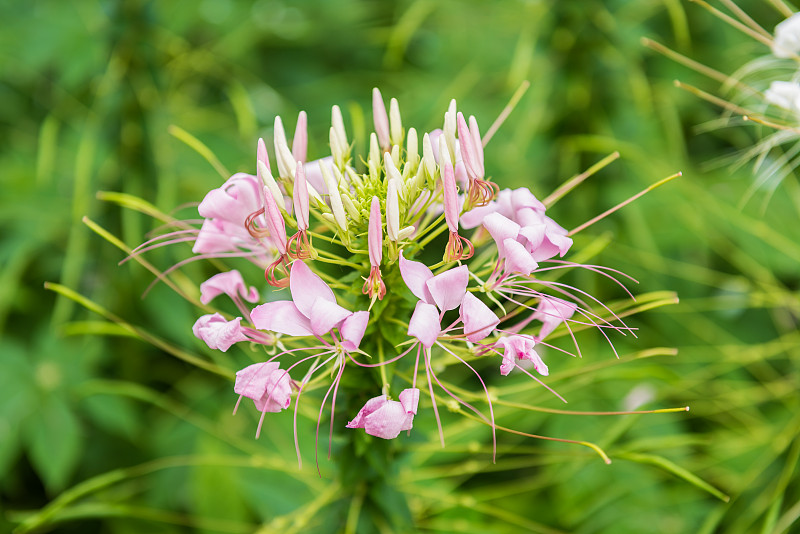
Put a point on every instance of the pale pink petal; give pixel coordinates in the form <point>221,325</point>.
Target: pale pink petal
<point>306,287</point>
<point>415,274</point>
<point>314,176</point>
<point>265,383</point>
<point>281,316</point>
<point>326,315</point>
<point>217,332</point>
<point>375,233</point>
<point>477,142</point>
<point>368,408</point>
<point>469,153</point>
<point>300,141</point>
<point>424,324</point>
<point>263,156</point>
<point>533,236</point>
<point>388,421</point>
<point>518,259</point>
<point>462,179</point>
<point>523,198</point>
<point>501,228</point>
<point>475,216</point>
<point>409,398</point>
<point>276,226</point>
<point>451,206</point>
<point>552,312</point>
<point>380,118</point>
<point>230,283</point>
<point>478,319</point>
<point>448,288</point>
<point>238,197</point>
<point>353,328</point>
<point>217,235</point>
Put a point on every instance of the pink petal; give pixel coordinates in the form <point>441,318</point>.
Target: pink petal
<point>281,316</point>
<point>230,283</point>
<point>380,118</point>
<point>424,324</point>
<point>306,287</point>
<point>265,383</point>
<point>388,421</point>
<point>326,315</point>
<point>479,320</point>
<point>238,197</point>
<point>218,333</point>
<point>314,176</point>
<point>552,312</point>
<point>353,328</point>
<point>375,233</point>
<point>501,228</point>
<point>415,274</point>
<point>263,156</point>
<point>518,259</point>
<point>276,226</point>
<point>533,236</point>
<point>300,141</point>
<point>251,381</point>
<point>451,206</point>
<point>468,149</point>
<point>448,288</point>
<point>523,198</point>
<point>477,142</point>
<point>409,398</point>
<point>371,405</point>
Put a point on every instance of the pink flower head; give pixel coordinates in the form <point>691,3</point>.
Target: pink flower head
<point>374,286</point>
<point>508,203</point>
<point>230,283</point>
<point>269,386</point>
<point>312,311</point>
<point>552,312</point>
<point>219,333</point>
<point>520,348</point>
<point>479,321</point>
<point>543,237</point>
<point>384,418</point>
<point>380,118</point>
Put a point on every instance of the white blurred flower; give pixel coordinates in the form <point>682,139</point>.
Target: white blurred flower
<point>787,37</point>
<point>784,94</point>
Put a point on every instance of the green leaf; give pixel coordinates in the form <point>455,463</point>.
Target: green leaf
<point>54,442</point>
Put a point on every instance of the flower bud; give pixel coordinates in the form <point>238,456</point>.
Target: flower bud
<point>380,119</point>
<point>392,211</point>
<point>396,124</point>
<point>332,183</point>
<point>286,162</point>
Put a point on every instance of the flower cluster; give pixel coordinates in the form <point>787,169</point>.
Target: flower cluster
<point>417,251</point>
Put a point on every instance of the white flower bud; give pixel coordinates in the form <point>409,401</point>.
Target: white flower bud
<point>395,123</point>
<point>271,184</point>
<point>392,211</point>
<point>351,208</point>
<point>392,174</point>
<point>332,183</point>
<point>428,159</point>
<point>412,148</point>
<point>286,162</point>
<point>449,130</point>
<point>405,233</point>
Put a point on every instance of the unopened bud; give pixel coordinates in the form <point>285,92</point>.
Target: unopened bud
<point>351,208</point>
<point>395,122</point>
<point>392,174</point>
<point>428,159</point>
<point>332,183</point>
<point>405,233</point>
<point>286,162</point>
<point>272,186</point>
<point>392,211</point>
<point>449,130</point>
<point>380,118</point>
<point>412,148</point>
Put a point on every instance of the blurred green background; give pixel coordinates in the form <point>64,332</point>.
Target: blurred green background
<point>88,94</point>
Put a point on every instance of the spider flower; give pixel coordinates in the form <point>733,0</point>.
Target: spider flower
<point>488,302</point>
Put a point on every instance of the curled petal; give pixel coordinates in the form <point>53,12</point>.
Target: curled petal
<point>424,324</point>
<point>353,328</point>
<point>478,319</point>
<point>238,197</point>
<point>218,333</point>
<point>269,386</point>
<point>520,348</point>
<point>230,283</point>
<point>384,418</point>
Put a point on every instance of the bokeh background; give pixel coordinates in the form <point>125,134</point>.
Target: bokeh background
<point>101,431</point>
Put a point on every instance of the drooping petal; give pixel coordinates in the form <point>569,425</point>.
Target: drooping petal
<point>478,319</point>
<point>369,407</point>
<point>501,228</point>
<point>409,398</point>
<point>230,283</point>
<point>552,312</point>
<point>424,324</point>
<point>518,259</point>
<point>326,315</point>
<point>352,329</point>
<point>415,274</point>
<point>269,386</point>
<point>281,316</point>
<point>447,289</point>
<point>306,287</point>
<point>375,233</point>
<point>218,333</point>
<point>385,418</point>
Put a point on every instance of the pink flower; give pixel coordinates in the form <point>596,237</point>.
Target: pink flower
<point>552,312</point>
<point>219,333</point>
<point>269,386</point>
<point>384,418</point>
<point>479,321</point>
<point>508,203</point>
<point>520,348</point>
<point>230,283</point>
<point>312,311</point>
